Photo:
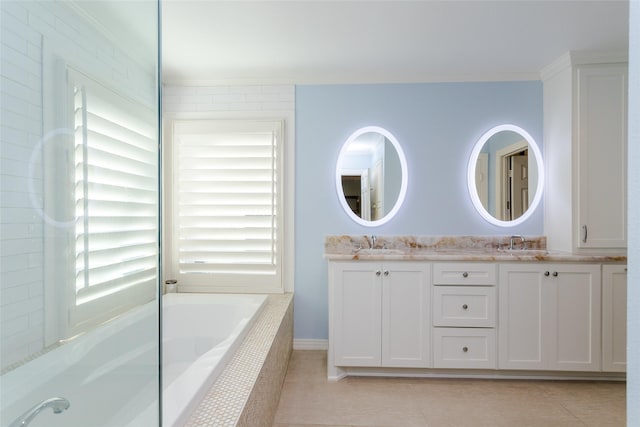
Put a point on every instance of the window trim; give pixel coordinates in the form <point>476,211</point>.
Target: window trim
<point>288,186</point>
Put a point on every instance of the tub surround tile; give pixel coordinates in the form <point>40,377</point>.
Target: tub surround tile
<point>262,404</point>
<point>450,248</point>
<point>248,390</point>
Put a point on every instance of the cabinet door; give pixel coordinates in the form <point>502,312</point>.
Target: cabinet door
<point>574,340</point>
<point>549,317</point>
<point>355,292</point>
<point>521,316</point>
<point>406,315</point>
<point>602,156</point>
<point>614,318</point>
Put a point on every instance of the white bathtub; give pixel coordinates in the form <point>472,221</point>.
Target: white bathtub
<point>110,375</point>
<point>200,334</point>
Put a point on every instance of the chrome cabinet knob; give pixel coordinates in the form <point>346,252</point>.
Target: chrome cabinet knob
<point>378,273</point>
<point>386,272</point>
<point>465,274</point>
<point>465,349</point>
<point>546,273</point>
<point>555,274</point>
<point>465,306</point>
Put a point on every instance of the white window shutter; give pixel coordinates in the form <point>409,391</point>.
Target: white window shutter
<point>116,187</point>
<point>227,203</point>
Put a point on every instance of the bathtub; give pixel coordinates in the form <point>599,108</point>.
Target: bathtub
<point>110,374</point>
<point>200,334</point>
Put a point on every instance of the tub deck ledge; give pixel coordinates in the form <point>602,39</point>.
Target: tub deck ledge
<point>248,390</point>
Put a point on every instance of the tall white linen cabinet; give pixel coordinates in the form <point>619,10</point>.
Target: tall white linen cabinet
<point>585,151</point>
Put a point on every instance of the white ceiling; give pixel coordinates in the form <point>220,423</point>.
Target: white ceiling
<point>307,41</point>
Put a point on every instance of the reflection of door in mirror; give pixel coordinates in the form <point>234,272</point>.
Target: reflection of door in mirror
<point>377,191</point>
<point>514,194</point>
<point>512,185</point>
<point>519,184</point>
<point>365,197</point>
<point>355,187</point>
<point>351,188</point>
<point>482,179</point>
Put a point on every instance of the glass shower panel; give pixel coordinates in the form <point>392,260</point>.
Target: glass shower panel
<point>79,193</point>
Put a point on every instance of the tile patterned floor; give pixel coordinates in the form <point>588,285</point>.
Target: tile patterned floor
<point>308,400</point>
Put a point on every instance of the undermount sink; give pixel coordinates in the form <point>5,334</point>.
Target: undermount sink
<point>379,251</point>
<point>525,252</point>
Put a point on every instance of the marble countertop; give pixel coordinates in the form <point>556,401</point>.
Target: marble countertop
<point>446,248</point>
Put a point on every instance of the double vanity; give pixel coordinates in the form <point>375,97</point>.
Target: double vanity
<point>500,306</point>
<point>473,306</point>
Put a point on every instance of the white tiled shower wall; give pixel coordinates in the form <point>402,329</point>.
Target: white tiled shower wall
<point>228,99</point>
<point>30,30</point>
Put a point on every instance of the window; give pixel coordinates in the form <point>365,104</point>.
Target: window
<point>227,204</point>
<point>115,180</point>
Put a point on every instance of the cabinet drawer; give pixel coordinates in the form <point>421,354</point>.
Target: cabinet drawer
<point>464,348</point>
<point>464,274</point>
<point>464,306</point>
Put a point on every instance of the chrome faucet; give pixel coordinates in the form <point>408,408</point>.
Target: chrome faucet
<point>373,241</point>
<point>58,404</point>
<point>522,240</point>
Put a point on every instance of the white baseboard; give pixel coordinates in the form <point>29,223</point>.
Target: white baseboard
<point>310,344</point>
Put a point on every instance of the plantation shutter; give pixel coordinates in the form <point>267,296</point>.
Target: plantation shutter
<point>227,203</point>
<point>116,187</point>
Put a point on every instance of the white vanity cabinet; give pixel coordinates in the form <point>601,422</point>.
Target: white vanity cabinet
<point>585,133</point>
<point>464,315</point>
<point>379,314</point>
<point>614,318</point>
<point>549,316</point>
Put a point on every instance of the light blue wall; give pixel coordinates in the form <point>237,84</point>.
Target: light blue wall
<point>437,125</point>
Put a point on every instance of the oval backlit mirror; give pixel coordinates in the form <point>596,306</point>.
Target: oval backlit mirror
<point>505,175</point>
<point>371,176</point>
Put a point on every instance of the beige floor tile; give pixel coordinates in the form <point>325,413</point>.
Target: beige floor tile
<point>359,403</point>
<point>461,420</point>
<point>309,400</point>
<point>307,425</point>
<point>306,366</point>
